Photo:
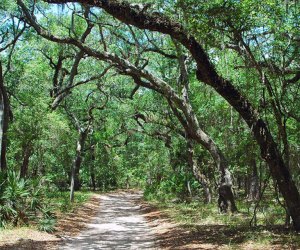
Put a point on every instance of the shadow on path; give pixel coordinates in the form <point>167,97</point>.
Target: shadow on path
<point>119,225</point>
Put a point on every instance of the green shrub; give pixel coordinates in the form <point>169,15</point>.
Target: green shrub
<point>20,200</point>
<point>47,225</point>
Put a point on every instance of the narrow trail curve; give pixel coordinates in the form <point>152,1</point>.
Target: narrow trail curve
<point>118,225</point>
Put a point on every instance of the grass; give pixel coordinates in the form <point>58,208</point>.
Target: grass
<point>59,201</point>
<point>233,231</point>
<point>269,213</point>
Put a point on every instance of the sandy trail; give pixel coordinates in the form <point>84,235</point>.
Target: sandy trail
<point>118,225</point>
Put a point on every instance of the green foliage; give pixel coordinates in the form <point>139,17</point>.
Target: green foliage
<point>231,230</point>
<point>21,200</point>
<point>48,220</point>
<point>47,225</point>
<point>122,150</point>
<point>197,213</point>
<point>27,201</point>
<point>60,201</point>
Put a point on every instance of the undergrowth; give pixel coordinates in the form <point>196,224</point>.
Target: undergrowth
<point>233,229</point>
<point>33,202</point>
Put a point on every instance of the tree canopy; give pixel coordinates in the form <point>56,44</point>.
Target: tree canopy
<point>180,98</point>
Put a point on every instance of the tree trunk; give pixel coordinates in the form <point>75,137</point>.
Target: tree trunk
<point>239,182</point>
<point>127,182</point>
<point>75,181</point>
<point>4,120</point>
<point>226,197</point>
<point>92,168</point>
<point>201,178</point>
<point>93,179</point>
<point>27,151</point>
<point>193,130</point>
<point>246,184</point>
<point>206,73</point>
<point>253,190</point>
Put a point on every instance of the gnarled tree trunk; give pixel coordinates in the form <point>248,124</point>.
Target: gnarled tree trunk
<point>206,73</point>
<point>201,178</point>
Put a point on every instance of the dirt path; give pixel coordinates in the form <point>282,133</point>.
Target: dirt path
<point>118,225</point>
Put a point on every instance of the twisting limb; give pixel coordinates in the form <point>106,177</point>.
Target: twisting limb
<point>206,73</point>
<point>191,124</point>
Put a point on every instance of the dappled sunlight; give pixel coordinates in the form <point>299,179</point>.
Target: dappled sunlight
<point>118,225</point>
<point>108,227</point>
<point>195,235</point>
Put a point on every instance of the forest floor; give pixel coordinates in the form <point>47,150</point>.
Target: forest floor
<point>106,221</point>
<point>68,225</point>
<point>118,225</point>
<point>174,231</point>
<point>122,220</point>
